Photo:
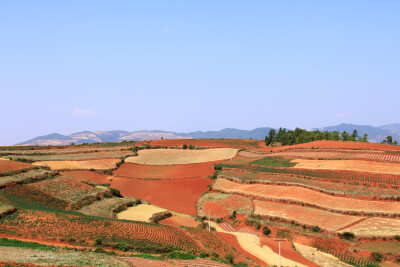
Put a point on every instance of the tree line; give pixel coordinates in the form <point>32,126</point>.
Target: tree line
<point>299,136</point>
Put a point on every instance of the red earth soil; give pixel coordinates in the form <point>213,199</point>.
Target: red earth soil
<point>305,215</point>
<point>305,195</point>
<point>224,207</point>
<point>232,241</point>
<point>134,170</point>
<point>339,144</point>
<point>227,143</point>
<point>9,165</point>
<point>88,176</point>
<point>287,251</point>
<point>176,195</point>
<point>180,221</point>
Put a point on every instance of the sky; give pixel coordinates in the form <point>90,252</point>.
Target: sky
<point>70,66</point>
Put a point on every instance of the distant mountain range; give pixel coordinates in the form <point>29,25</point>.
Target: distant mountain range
<point>375,134</point>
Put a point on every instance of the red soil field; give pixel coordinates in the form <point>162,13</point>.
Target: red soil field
<point>232,241</point>
<point>305,215</point>
<point>176,195</point>
<point>134,170</point>
<point>339,144</point>
<point>222,205</point>
<point>317,154</point>
<point>228,143</point>
<point>87,176</point>
<point>300,194</point>
<point>9,165</point>
<point>180,221</point>
<point>50,225</point>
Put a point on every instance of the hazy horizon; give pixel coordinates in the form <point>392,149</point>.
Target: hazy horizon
<point>182,66</point>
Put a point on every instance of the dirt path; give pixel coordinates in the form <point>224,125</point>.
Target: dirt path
<point>251,243</point>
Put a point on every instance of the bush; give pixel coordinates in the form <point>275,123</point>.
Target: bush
<point>108,172</point>
<point>181,255</point>
<point>229,257</point>
<point>185,146</point>
<point>115,192</point>
<point>316,229</point>
<point>233,216</point>
<point>397,237</point>
<point>376,256</point>
<point>123,246</point>
<point>266,230</point>
<point>347,235</point>
<point>219,220</point>
<point>98,241</point>
<point>218,167</point>
<point>191,147</point>
<point>134,149</point>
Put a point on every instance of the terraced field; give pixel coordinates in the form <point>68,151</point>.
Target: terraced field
<point>307,196</point>
<point>51,225</point>
<point>305,215</point>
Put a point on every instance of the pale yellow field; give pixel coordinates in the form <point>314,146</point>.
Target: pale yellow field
<point>376,227</point>
<point>142,213</point>
<point>181,156</point>
<point>319,257</point>
<point>352,165</point>
<point>80,164</point>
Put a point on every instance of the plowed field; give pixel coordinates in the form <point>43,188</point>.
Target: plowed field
<point>300,194</point>
<point>349,165</point>
<point>341,145</point>
<point>305,215</point>
<point>376,227</point>
<point>88,176</point>
<point>222,205</point>
<point>176,195</point>
<point>181,156</point>
<point>9,165</point>
<point>134,170</point>
<point>98,164</point>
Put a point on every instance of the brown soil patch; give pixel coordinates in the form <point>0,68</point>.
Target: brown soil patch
<point>93,177</point>
<point>176,195</point>
<point>181,156</point>
<point>304,215</point>
<point>305,195</point>
<point>98,164</point>
<point>350,165</point>
<point>9,165</point>
<point>222,205</point>
<point>134,170</point>
<point>177,220</point>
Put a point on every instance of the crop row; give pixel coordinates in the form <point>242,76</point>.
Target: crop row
<point>52,225</point>
<point>350,259</point>
<point>332,176</point>
<point>32,194</point>
<point>79,156</point>
<point>336,155</point>
<point>66,189</point>
<point>211,241</point>
<point>63,151</point>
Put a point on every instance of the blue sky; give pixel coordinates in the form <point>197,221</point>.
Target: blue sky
<point>68,66</point>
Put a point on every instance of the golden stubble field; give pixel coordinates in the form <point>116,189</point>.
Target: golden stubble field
<point>181,156</point>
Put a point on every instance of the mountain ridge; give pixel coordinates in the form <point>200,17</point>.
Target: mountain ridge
<point>375,134</point>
